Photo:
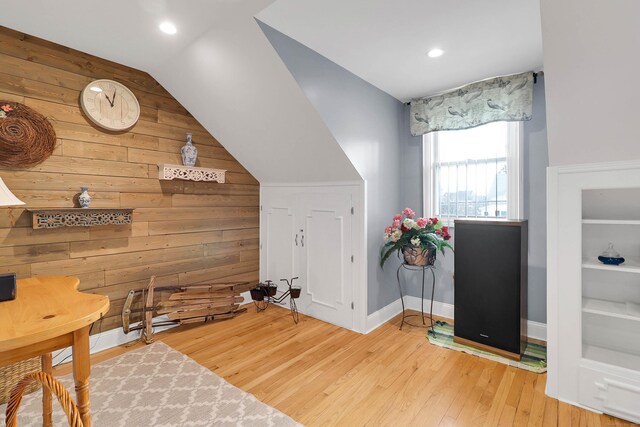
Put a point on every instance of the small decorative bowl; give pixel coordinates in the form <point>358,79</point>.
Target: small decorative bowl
<point>610,260</point>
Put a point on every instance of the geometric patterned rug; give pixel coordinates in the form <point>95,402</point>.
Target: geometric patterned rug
<point>160,387</point>
<point>533,359</point>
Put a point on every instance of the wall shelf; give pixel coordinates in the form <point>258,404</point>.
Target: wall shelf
<point>79,217</point>
<point>611,221</point>
<point>629,266</point>
<point>620,310</point>
<point>190,173</point>
<point>612,357</point>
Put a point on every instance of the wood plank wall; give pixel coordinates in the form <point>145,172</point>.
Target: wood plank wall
<point>183,232</point>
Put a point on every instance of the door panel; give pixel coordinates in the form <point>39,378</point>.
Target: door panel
<point>326,257</point>
<point>279,250</point>
<point>325,266</point>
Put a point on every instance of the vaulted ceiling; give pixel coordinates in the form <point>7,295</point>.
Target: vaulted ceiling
<point>221,67</point>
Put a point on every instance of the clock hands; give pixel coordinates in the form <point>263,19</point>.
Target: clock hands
<point>111,102</point>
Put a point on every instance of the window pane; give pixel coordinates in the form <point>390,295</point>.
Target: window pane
<point>471,172</point>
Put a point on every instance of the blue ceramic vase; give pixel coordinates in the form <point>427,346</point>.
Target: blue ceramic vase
<point>189,153</point>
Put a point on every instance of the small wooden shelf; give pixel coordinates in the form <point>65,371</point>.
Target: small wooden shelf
<point>190,173</point>
<point>629,266</point>
<point>620,310</point>
<point>80,217</point>
<point>611,221</point>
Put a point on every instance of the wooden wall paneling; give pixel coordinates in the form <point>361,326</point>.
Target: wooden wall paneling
<point>192,187</point>
<point>14,217</point>
<point>114,276</point>
<point>87,133</point>
<point>201,213</point>
<point>197,225</point>
<point>183,232</point>
<point>138,244</point>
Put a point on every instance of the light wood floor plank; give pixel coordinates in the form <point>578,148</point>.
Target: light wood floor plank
<point>323,375</point>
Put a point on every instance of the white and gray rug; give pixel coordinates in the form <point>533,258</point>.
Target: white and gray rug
<point>158,386</point>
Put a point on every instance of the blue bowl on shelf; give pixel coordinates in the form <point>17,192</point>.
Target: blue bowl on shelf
<point>610,260</point>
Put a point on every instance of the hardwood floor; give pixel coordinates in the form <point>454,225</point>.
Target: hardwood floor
<point>323,375</point>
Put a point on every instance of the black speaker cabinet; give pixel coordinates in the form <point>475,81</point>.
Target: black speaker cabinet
<point>491,285</point>
<point>7,287</point>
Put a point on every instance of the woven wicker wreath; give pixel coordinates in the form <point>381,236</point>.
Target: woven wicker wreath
<point>27,138</point>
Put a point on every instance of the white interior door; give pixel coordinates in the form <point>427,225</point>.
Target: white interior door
<point>278,253</point>
<point>325,265</point>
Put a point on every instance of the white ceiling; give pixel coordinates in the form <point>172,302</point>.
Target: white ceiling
<point>219,65</point>
<point>385,42</point>
<point>119,30</point>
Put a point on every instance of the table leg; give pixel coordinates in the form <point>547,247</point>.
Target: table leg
<point>47,408</point>
<point>81,371</point>
<point>401,298</point>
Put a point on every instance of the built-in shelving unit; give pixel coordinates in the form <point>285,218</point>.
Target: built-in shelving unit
<point>610,297</point>
<point>593,317</point>
<point>190,173</point>
<point>80,217</point>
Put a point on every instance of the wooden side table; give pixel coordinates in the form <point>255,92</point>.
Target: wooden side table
<point>49,314</point>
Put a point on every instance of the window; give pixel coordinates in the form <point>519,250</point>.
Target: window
<point>473,173</point>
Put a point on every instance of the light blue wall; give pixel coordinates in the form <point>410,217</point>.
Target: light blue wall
<point>370,127</point>
<point>535,162</point>
<point>373,130</point>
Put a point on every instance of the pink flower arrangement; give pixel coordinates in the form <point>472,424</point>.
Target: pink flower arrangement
<point>424,233</point>
<point>408,213</point>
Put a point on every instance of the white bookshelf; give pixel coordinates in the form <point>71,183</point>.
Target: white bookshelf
<point>593,316</point>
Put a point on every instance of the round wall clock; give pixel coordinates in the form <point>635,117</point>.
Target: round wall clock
<point>110,105</point>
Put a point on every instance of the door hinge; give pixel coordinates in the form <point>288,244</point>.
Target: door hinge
<point>351,305</point>
<point>351,210</point>
<point>260,208</point>
<point>351,258</point>
<point>260,245</point>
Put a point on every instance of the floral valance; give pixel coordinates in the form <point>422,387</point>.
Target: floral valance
<point>506,98</point>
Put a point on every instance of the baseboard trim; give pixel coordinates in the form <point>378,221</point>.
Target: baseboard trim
<point>378,318</point>
<point>108,339</point>
<point>382,316</point>
<point>535,330</point>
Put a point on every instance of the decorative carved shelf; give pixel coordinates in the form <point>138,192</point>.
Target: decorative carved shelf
<point>190,173</point>
<point>80,217</point>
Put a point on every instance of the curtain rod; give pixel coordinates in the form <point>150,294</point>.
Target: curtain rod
<point>535,81</point>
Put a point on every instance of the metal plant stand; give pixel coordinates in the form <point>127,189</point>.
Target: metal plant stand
<point>410,267</point>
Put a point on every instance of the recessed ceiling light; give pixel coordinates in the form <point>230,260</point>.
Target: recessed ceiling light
<point>95,89</point>
<point>168,28</point>
<point>434,53</point>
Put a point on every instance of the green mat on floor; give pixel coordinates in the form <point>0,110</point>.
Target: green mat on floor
<point>534,358</point>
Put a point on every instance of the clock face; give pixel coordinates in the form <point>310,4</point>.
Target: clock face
<point>110,105</point>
